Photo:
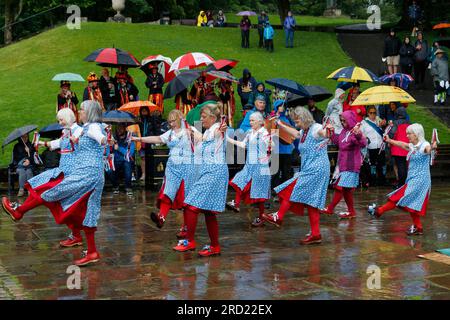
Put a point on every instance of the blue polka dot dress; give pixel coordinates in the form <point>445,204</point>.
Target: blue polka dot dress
<point>67,160</point>
<point>86,177</point>
<point>256,169</point>
<point>209,191</point>
<point>348,179</point>
<point>180,166</point>
<point>413,196</point>
<point>309,185</point>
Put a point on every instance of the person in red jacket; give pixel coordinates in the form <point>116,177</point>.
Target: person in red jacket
<point>360,111</point>
<point>398,133</point>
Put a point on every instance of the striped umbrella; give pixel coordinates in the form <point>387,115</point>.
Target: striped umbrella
<point>191,60</point>
<point>353,74</point>
<point>163,64</point>
<point>113,57</point>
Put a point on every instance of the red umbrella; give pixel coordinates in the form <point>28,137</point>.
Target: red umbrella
<point>225,64</point>
<point>163,63</point>
<point>113,57</point>
<point>191,60</point>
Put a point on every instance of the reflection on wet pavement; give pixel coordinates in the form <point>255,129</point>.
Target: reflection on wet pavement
<point>267,263</point>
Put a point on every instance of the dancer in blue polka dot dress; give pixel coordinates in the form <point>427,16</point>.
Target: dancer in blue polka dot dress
<point>308,187</point>
<point>180,170</point>
<point>66,119</point>
<point>252,183</point>
<point>413,196</point>
<point>208,193</point>
<point>74,198</point>
<point>350,142</point>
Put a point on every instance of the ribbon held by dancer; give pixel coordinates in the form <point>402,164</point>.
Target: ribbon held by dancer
<point>434,141</point>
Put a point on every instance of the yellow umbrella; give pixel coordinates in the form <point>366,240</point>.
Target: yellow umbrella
<point>353,74</point>
<point>383,95</point>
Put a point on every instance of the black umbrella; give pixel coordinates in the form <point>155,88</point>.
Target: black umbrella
<point>181,82</point>
<point>117,116</point>
<point>51,131</point>
<point>17,133</point>
<point>288,85</point>
<point>317,93</point>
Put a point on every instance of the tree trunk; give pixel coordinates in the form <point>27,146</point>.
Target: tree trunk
<point>12,13</point>
<point>283,7</point>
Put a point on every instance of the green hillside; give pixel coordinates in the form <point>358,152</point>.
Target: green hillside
<point>28,96</point>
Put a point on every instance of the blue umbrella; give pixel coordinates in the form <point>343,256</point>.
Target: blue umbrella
<point>51,131</point>
<point>288,85</point>
<point>402,80</point>
<point>68,77</point>
<point>17,133</point>
<point>117,116</point>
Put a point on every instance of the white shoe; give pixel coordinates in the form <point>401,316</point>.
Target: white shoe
<point>21,192</point>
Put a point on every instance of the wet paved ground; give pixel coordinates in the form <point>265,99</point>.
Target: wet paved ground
<point>138,263</point>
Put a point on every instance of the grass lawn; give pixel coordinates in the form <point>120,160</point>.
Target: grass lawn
<point>29,96</point>
<point>304,21</point>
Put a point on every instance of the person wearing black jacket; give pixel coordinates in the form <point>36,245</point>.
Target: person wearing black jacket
<point>155,83</point>
<point>262,19</point>
<point>407,52</point>
<point>67,98</point>
<point>23,160</point>
<point>392,46</point>
<point>127,91</point>
<point>110,93</point>
<point>316,112</point>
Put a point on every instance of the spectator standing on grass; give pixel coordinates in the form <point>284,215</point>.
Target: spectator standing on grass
<point>420,60</point>
<point>407,52</point>
<point>245,26</point>
<point>289,28</point>
<point>221,20</point>
<point>392,45</point>
<point>262,19</point>
<point>439,71</point>
<point>268,36</point>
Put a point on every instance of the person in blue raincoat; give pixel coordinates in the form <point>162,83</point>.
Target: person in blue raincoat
<point>268,36</point>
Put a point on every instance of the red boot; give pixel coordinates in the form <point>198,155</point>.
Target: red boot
<point>310,239</point>
<point>272,218</point>
<point>88,259</point>
<point>209,251</point>
<point>11,209</point>
<point>184,245</point>
<point>71,241</point>
<point>157,219</point>
<point>182,233</point>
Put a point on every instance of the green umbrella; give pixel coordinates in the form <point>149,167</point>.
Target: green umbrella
<point>68,77</point>
<point>194,114</point>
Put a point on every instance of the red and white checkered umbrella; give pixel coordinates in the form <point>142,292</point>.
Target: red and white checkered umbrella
<point>191,60</point>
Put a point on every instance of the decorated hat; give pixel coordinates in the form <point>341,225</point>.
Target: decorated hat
<point>439,51</point>
<point>92,77</point>
<point>65,83</point>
